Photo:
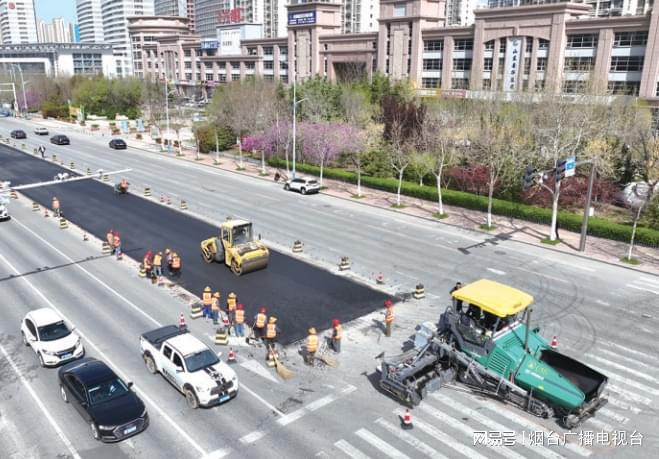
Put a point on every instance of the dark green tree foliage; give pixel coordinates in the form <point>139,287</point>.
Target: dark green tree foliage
<point>403,117</point>
<point>323,100</point>
<point>206,135</point>
<point>105,97</point>
<point>55,103</point>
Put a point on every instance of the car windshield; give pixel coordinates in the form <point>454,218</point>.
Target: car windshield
<point>242,234</point>
<point>106,391</point>
<point>52,332</point>
<point>199,360</point>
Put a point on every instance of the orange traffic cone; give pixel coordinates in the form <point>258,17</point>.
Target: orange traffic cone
<point>406,420</point>
<point>231,356</point>
<point>181,322</point>
<point>554,342</point>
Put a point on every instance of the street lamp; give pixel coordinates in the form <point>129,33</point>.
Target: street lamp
<point>20,71</point>
<point>295,102</point>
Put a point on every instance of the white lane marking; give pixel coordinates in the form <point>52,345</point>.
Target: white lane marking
<point>469,432</point>
<point>321,453</point>
<point>380,444</point>
<point>410,439</point>
<point>649,280</point>
<point>603,303</point>
<point>313,406</point>
<point>631,361</point>
<point>350,450</point>
<point>407,275</point>
<point>60,433</point>
<point>615,416</point>
<point>143,394</point>
<point>656,292</point>
<point>252,437</point>
<point>627,349</point>
<point>218,453</point>
<point>261,399</point>
<point>255,367</point>
<point>557,279</point>
<point>497,271</point>
<point>628,395</point>
<point>624,405</point>
<point>131,304</point>
<point>533,426</point>
<point>602,426</point>
<point>617,366</point>
<point>583,268</point>
<point>492,425</point>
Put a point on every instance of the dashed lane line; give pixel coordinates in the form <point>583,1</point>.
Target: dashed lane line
<point>656,292</point>
<point>497,271</point>
<point>623,368</point>
<point>60,433</point>
<point>628,395</point>
<point>548,276</point>
<point>350,450</point>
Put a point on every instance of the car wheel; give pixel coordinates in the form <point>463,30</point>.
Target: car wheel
<point>41,362</point>
<point>287,187</point>
<point>62,393</point>
<point>191,398</point>
<point>150,365</point>
<point>303,190</point>
<point>95,433</point>
<point>25,342</point>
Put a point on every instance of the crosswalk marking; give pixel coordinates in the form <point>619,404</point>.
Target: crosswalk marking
<point>252,437</point>
<point>448,441</point>
<point>627,395</point>
<point>656,292</point>
<point>617,366</point>
<point>632,361</point>
<point>603,426</point>
<point>469,432</point>
<point>380,444</point>
<point>493,425</point>
<point>350,450</point>
<point>649,280</point>
<point>626,381</point>
<point>410,440</point>
<point>624,405</point>
<point>615,416</point>
<point>626,349</point>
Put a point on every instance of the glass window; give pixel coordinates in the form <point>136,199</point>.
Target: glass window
<point>430,83</point>
<point>579,64</point>
<point>487,84</point>
<point>249,65</point>
<point>251,51</point>
<point>433,45</point>
<point>543,44</point>
<point>626,63</point>
<point>200,360</point>
<point>624,88</point>
<point>52,332</point>
<point>527,65</point>
<point>268,65</point>
<point>628,39</point>
<point>487,64</point>
<point>489,45</point>
<point>529,44</point>
<point>167,352</point>
<point>461,64</point>
<point>432,64</point>
<point>106,391</point>
<point>541,65</point>
<point>267,50</point>
<point>574,86</point>
<point>460,83</point>
<point>399,10</point>
<point>463,44</point>
<point>582,40</point>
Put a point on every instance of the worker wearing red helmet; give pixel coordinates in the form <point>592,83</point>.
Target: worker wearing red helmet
<point>259,322</point>
<point>239,320</point>
<point>388,317</point>
<point>337,334</point>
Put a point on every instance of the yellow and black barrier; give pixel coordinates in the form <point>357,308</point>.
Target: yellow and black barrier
<point>419,292</point>
<point>297,246</point>
<point>344,265</point>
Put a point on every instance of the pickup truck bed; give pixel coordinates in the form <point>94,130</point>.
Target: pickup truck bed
<point>160,335</point>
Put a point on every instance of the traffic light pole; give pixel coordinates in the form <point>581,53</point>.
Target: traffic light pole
<point>586,213</point>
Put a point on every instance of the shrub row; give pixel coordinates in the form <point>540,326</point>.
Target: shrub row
<point>566,220</point>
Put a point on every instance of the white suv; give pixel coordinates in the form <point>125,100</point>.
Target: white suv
<point>303,185</point>
<point>41,131</point>
<point>50,338</point>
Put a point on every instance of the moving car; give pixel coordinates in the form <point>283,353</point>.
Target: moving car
<point>4,113</point>
<point>41,131</point>
<point>60,139</point>
<point>4,213</point>
<point>50,338</point>
<point>303,185</point>
<point>118,144</point>
<point>18,134</point>
<point>113,411</point>
<point>189,365</point>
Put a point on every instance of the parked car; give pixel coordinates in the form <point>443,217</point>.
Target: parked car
<point>4,113</point>
<point>118,144</point>
<point>4,213</point>
<point>303,185</point>
<point>50,338</point>
<point>60,139</point>
<point>41,131</point>
<point>112,409</point>
<point>18,134</point>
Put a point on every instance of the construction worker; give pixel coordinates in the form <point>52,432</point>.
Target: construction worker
<point>123,185</point>
<point>215,307</point>
<point>312,346</point>
<point>116,244</point>
<point>56,207</point>
<point>259,322</point>
<point>271,331</point>
<point>456,303</point>
<point>157,265</point>
<point>337,334</point>
<point>231,306</point>
<point>168,259</point>
<point>240,320</point>
<point>388,317</point>
<point>147,262</point>
<point>176,264</point>
<point>109,237</point>
<point>207,301</point>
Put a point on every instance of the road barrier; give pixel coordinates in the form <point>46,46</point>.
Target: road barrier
<point>89,171</point>
<point>106,249</point>
<point>106,178</point>
<point>85,238</point>
<point>23,146</point>
<point>147,192</point>
<point>222,336</point>
<point>13,194</point>
<point>142,271</point>
<point>35,207</point>
<point>419,291</point>
<point>35,151</point>
<point>72,165</point>
<point>63,224</point>
<point>184,205</point>
<point>45,212</point>
<point>379,279</point>
<point>54,158</point>
<point>169,201</point>
<point>297,246</point>
<point>195,311</point>
<point>162,198</point>
<point>344,265</point>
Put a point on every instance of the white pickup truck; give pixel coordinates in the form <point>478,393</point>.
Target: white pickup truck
<point>187,363</point>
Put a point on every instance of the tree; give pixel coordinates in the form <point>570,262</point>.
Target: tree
<point>207,134</point>
<point>323,141</point>
<point>421,164</point>
<point>321,100</point>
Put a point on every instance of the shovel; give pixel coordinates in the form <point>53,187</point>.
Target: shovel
<point>283,372</point>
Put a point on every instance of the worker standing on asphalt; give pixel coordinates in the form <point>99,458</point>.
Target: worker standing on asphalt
<point>240,320</point>
<point>56,207</point>
<point>271,332</point>
<point>215,307</point>
<point>176,264</point>
<point>457,303</point>
<point>168,260</point>
<point>116,244</point>
<point>147,262</point>
<point>388,317</point>
<point>259,322</point>
<point>337,334</point>
<point>231,306</point>
<point>207,301</point>
<point>312,346</point>
<point>157,265</point>
<point>109,237</point>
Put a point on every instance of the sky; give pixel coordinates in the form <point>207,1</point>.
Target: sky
<point>49,9</point>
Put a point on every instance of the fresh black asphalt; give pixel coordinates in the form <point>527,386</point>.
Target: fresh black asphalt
<point>297,293</point>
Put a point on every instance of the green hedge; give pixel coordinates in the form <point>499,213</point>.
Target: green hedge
<point>566,220</point>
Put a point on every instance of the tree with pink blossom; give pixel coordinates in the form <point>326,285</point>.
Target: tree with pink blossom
<point>323,141</point>
<point>258,142</point>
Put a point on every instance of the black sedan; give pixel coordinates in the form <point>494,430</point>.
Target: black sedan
<point>60,139</point>
<point>113,411</point>
<point>18,134</point>
<point>118,144</point>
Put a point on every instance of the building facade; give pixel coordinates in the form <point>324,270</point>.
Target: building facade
<point>90,20</point>
<point>59,59</point>
<point>209,14</point>
<point>57,31</point>
<point>555,47</point>
<point>17,22</point>
<point>181,8</point>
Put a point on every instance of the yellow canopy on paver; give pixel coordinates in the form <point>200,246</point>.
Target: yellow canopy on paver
<point>493,297</point>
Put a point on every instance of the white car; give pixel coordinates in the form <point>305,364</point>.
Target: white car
<point>303,185</point>
<point>4,213</point>
<point>50,338</point>
<point>41,131</point>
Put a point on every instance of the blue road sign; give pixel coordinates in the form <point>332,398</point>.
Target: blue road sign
<point>570,166</point>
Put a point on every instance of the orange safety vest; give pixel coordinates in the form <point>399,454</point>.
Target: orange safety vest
<point>231,304</point>
<point>157,260</point>
<point>240,316</point>
<point>176,262</point>
<point>117,241</point>
<point>216,304</point>
<point>389,315</point>
<point>271,331</point>
<point>146,262</point>
<point>55,204</point>
<point>337,332</point>
<point>260,320</point>
<point>207,298</point>
<point>312,343</point>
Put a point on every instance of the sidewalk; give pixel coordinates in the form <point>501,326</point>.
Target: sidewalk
<point>506,228</point>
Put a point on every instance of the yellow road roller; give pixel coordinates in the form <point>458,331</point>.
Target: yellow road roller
<point>236,247</point>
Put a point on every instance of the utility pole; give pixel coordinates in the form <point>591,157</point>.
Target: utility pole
<point>294,118</point>
<point>166,94</point>
<point>217,148</point>
<point>586,213</point>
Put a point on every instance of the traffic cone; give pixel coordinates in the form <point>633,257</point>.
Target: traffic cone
<point>554,342</point>
<point>181,322</point>
<point>169,201</point>
<point>85,237</point>
<point>379,279</point>
<point>162,198</point>
<point>406,420</point>
<point>45,212</point>
<point>231,356</point>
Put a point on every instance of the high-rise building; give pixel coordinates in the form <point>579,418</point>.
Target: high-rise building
<point>75,33</point>
<point>57,31</point>
<point>211,13</point>
<point>17,22</point>
<point>461,12</point>
<point>90,21</point>
<point>181,8</point>
<point>359,15</point>
<point>274,18</point>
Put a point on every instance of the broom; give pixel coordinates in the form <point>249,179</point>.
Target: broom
<point>283,372</point>
<point>329,361</point>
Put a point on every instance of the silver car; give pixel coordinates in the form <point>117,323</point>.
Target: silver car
<point>303,185</point>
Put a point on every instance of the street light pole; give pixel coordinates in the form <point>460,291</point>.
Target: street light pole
<point>166,92</point>
<point>586,213</point>
<point>20,71</point>
<point>294,120</point>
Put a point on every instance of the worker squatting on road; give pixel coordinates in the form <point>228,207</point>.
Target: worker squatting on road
<point>56,207</point>
<point>239,323</point>
<point>311,347</point>
<point>260,320</point>
<point>206,302</point>
<point>116,245</point>
<point>215,307</point>
<point>122,186</point>
<point>388,317</point>
<point>337,334</point>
